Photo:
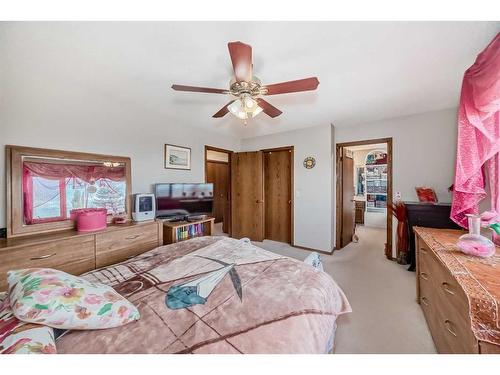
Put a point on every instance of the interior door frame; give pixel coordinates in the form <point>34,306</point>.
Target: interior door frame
<point>339,198</point>
<point>206,161</point>
<point>292,190</point>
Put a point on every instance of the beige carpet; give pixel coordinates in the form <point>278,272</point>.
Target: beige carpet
<point>385,317</point>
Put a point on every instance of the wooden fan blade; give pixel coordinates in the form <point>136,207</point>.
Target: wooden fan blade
<point>241,57</point>
<point>306,84</point>
<point>199,89</point>
<point>268,109</point>
<point>223,111</point>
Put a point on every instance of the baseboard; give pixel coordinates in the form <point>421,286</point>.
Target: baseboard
<point>311,249</point>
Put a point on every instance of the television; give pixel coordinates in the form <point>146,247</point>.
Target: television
<point>181,200</point>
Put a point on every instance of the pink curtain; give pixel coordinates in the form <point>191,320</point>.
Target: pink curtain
<point>86,173</point>
<point>478,145</point>
<point>28,197</point>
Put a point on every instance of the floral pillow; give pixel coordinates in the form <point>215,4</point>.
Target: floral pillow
<point>17,337</point>
<point>60,300</point>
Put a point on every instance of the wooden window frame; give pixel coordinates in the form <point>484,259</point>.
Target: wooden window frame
<point>14,169</point>
<point>62,205</point>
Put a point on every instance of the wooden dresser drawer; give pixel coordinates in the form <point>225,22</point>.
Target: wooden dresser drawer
<point>74,256</point>
<point>116,246</point>
<point>487,348</point>
<point>450,332</point>
<point>429,303</point>
<point>445,305</point>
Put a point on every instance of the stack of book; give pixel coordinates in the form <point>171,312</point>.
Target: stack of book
<point>189,231</point>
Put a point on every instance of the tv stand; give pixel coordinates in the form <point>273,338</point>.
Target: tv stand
<point>171,219</point>
<point>184,230</point>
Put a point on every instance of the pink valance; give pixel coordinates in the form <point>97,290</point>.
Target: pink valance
<point>86,173</point>
<point>478,146</point>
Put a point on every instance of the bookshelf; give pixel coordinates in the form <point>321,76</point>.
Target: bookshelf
<point>184,230</point>
<point>376,181</point>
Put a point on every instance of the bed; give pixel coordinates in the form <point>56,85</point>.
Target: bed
<point>216,295</point>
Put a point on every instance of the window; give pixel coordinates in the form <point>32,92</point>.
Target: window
<point>46,199</point>
<point>51,191</point>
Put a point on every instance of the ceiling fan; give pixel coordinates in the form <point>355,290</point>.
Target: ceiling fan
<point>247,88</point>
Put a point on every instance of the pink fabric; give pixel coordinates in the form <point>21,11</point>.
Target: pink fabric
<point>87,173</point>
<point>83,172</point>
<point>28,196</point>
<point>478,143</point>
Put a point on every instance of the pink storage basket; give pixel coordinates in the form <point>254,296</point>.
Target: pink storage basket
<point>89,219</point>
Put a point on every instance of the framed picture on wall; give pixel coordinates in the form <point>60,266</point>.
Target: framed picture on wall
<point>177,157</point>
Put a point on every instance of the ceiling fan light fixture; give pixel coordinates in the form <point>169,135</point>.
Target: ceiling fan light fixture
<point>256,111</point>
<point>244,107</point>
<point>249,102</point>
<point>246,89</point>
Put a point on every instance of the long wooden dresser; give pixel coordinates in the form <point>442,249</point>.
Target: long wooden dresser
<point>459,294</point>
<point>77,253</point>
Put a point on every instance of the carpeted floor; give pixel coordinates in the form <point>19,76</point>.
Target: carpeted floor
<point>385,317</point>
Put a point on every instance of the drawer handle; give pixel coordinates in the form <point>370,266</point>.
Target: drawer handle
<point>423,251</point>
<point>132,237</point>
<point>445,286</point>
<point>43,256</point>
<point>448,324</point>
<point>424,276</point>
<point>425,301</point>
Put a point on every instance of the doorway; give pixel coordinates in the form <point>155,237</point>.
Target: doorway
<point>218,172</point>
<point>364,189</point>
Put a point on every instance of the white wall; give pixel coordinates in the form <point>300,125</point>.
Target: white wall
<point>78,120</point>
<point>64,90</point>
<point>313,187</point>
<point>424,149</point>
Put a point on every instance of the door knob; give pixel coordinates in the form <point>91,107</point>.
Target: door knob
<point>259,201</point>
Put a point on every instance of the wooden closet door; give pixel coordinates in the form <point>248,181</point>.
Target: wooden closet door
<point>247,195</point>
<point>278,195</point>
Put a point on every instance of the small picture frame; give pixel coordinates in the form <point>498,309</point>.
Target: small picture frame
<point>177,157</point>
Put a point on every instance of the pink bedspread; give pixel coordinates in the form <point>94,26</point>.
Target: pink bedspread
<point>260,302</point>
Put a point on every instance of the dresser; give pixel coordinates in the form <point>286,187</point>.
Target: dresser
<point>76,253</point>
<point>422,214</point>
<point>459,294</point>
<point>359,212</point>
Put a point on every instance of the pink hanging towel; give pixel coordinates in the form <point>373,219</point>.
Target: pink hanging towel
<point>478,146</point>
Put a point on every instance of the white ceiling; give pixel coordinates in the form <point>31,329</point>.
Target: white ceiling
<point>367,70</point>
